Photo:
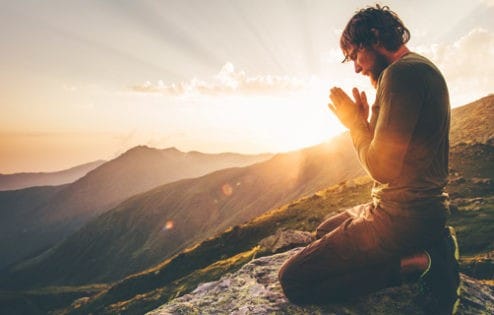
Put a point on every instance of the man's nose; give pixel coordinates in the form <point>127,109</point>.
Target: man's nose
<point>357,67</point>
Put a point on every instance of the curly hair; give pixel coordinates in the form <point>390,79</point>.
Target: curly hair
<point>374,25</point>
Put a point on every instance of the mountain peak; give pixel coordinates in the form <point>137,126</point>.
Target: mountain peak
<point>171,150</point>
<point>139,148</point>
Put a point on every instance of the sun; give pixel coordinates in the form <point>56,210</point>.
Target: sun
<point>294,122</point>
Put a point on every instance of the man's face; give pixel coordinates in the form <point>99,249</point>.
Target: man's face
<point>368,61</point>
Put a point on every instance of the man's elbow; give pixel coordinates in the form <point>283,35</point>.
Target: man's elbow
<point>383,173</point>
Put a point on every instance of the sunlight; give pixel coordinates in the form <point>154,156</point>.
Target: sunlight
<point>294,121</point>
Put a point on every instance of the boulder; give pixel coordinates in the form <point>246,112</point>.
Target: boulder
<point>285,239</point>
<point>254,289</point>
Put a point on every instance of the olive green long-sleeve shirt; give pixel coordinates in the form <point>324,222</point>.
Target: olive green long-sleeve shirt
<point>405,146</point>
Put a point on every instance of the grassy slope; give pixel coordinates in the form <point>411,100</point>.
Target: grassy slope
<point>473,122</point>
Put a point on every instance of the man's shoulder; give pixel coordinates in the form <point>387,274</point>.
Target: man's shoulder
<point>412,62</point>
<point>412,66</point>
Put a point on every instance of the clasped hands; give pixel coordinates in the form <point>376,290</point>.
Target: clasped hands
<point>349,112</point>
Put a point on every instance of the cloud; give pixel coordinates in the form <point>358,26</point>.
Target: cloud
<point>488,3</point>
<point>227,82</point>
<point>467,64</point>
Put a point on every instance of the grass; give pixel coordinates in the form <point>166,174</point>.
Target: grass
<point>473,230</point>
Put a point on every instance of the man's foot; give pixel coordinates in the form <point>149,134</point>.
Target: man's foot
<point>441,282</point>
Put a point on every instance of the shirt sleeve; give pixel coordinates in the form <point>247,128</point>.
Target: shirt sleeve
<point>400,96</point>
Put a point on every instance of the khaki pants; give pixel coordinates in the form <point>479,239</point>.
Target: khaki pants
<point>358,251</point>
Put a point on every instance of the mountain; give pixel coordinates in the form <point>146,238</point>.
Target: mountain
<point>23,180</point>
<point>15,208</point>
<point>473,122</point>
<point>137,170</point>
<point>147,228</point>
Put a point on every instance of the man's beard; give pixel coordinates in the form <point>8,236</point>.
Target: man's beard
<point>380,63</point>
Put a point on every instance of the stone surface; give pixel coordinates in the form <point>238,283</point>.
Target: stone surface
<point>482,181</point>
<point>254,289</point>
<point>283,240</point>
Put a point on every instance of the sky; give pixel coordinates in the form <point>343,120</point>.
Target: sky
<point>88,80</point>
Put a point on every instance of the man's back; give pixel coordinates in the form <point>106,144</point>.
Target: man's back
<point>410,127</point>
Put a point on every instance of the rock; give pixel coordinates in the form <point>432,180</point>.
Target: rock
<point>284,240</point>
<point>254,289</point>
<point>457,180</point>
<point>482,181</point>
<point>470,204</point>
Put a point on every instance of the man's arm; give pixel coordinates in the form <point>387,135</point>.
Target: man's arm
<point>401,98</point>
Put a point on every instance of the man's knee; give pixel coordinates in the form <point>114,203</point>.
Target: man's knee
<point>320,232</point>
<point>332,224</point>
<point>290,283</point>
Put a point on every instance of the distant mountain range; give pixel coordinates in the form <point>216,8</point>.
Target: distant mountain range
<point>44,216</point>
<point>149,227</point>
<point>24,180</point>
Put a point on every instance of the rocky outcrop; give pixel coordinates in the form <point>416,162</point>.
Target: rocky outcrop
<point>254,289</point>
<point>284,240</point>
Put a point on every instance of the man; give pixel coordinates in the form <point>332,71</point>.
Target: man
<point>401,235</point>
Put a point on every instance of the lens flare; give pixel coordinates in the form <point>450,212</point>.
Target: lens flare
<point>168,225</point>
<point>227,190</point>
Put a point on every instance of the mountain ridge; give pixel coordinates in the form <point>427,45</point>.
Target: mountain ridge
<point>473,122</point>
<point>16,181</point>
<point>136,170</point>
